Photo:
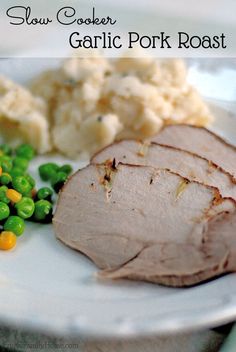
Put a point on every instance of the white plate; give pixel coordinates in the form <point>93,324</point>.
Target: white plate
<point>47,287</point>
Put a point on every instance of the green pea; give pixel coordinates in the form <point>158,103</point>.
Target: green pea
<point>43,211</point>
<point>58,181</point>
<point>5,158</point>
<point>46,171</point>
<point>31,180</point>
<point>14,224</point>
<point>25,208</point>
<point>5,178</point>
<point>6,149</point>
<point>16,171</point>
<point>3,197</point>
<point>4,211</point>
<point>6,164</point>
<point>21,163</point>
<point>25,151</point>
<point>21,184</point>
<point>28,195</point>
<point>66,168</point>
<point>45,193</point>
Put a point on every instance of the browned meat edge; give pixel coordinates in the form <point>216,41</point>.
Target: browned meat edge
<point>233,180</point>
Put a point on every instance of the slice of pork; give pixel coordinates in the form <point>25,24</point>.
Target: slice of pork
<point>176,264</point>
<point>187,164</point>
<point>147,224</point>
<point>202,142</point>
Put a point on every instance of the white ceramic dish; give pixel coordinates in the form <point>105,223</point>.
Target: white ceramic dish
<point>47,287</point>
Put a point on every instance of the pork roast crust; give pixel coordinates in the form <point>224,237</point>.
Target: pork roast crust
<point>201,141</point>
<point>186,164</point>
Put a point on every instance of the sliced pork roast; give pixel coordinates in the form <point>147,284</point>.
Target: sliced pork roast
<point>148,224</point>
<point>202,142</point>
<point>187,164</point>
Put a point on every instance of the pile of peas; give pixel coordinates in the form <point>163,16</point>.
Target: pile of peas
<point>19,198</point>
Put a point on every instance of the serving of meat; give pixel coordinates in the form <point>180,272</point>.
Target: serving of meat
<point>202,142</point>
<point>147,223</point>
<point>185,264</point>
<point>188,165</point>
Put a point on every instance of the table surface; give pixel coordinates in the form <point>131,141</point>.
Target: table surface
<point>208,340</point>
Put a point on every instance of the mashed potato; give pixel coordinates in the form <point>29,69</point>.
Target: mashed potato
<point>94,101</point>
<point>22,116</point>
